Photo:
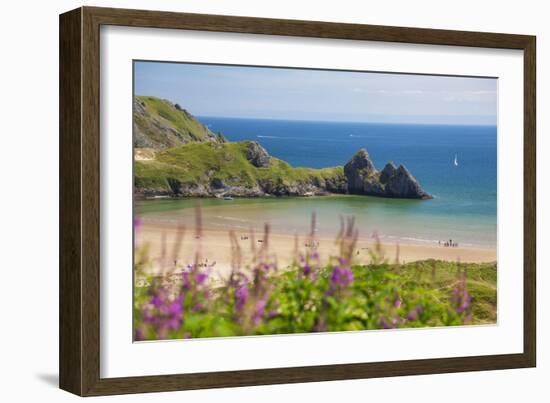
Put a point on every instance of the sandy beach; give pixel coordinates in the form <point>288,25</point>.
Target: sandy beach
<point>215,246</point>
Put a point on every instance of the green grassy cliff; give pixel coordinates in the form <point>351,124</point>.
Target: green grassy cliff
<point>158,123</point>
<point>210,169</point>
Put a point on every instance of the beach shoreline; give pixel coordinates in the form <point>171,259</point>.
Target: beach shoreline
<point>169,247</point>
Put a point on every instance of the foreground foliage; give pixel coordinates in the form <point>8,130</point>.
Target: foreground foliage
<point>310,297</point>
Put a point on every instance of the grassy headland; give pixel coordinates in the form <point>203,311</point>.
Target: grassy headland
<point>158,123</point>
<point>177,155</point>
<point>223,165</point>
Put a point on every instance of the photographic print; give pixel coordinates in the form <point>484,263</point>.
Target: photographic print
<point>272,200</point>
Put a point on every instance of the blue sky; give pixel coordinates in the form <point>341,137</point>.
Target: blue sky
<point>298,94</point>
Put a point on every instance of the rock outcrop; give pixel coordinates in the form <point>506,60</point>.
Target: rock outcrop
<point>362,176</point>
<point>405,186</point>
<point>387,172</point>
<point>364,179</point>
<point>257,155</point>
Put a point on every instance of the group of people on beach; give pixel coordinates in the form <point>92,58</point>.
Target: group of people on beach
<point>449,244</point>
<point>199,264</point>
<point>311,244</point>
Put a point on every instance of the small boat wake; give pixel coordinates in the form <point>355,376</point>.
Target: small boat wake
<point>358,136</point>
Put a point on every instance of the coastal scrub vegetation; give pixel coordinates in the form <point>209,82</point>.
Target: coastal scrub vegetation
<point>259,298</point>
<point>226,163</point>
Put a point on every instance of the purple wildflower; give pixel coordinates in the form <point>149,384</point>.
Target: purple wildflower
<point>156,300</point>
<point>138,222</point>
<point>462,300</point>
<point>241,297</point>
<point>412,315</point>
<point>173,308</point>
<point>461,297</point>
<point>384,324</point>
<point>201,278</point>
<point>267,266</point>
<point>259,311</point>
<point>139,336</point>
<point>186,280</point>
<point>415,313</point>
<point>163,312</point>
<point>341,276</point>
<point>310,266</point>
<point>196,274</point>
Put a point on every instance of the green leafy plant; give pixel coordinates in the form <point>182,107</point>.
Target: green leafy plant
<point>258,298</point>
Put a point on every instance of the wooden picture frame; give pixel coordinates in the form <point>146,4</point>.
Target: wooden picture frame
<point>79,346</point>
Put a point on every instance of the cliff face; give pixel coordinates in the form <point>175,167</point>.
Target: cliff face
<point>160,124</point>
<point>257,155</point>
<point>403,185</point>
<point>364,179</point>
<point>227,169</point>
<point>362,176</point>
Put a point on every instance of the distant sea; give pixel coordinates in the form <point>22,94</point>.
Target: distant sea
<point>465,195</point>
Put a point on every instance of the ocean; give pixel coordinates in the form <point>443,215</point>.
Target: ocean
<point>465,195</point>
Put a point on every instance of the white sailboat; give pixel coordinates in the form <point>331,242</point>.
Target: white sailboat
<point>456,160</point>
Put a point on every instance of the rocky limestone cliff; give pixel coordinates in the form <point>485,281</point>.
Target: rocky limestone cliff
<point>364,179</point>
<point>256,174</point>
<point>387,172</point>
<point>402,184</point>
<point>362,176</point>
<point>257,155</point>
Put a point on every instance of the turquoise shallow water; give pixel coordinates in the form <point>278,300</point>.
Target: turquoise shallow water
<point>393,220</point>
<point>464,204</point>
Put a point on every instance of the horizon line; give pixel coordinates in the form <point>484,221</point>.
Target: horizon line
<point>350,121</point>
<point>342,121</point>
